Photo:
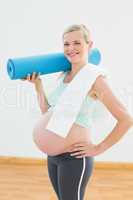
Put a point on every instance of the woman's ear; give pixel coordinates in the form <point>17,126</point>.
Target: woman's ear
<point>90,44</point>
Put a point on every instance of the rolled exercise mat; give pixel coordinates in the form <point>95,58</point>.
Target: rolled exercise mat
<point>18,68</point>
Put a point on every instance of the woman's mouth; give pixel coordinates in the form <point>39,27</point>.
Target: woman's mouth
<point>72,54</point>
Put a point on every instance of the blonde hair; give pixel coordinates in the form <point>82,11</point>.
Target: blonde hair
<point>79,27</point>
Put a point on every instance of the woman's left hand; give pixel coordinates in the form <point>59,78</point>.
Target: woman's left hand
<point>84,149</point>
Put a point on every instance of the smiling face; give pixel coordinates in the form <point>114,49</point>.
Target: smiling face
<point>76,48</point>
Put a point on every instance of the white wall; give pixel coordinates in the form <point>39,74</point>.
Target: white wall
<point>34,27</point>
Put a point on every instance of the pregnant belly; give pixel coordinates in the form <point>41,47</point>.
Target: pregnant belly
<point>51,143</point>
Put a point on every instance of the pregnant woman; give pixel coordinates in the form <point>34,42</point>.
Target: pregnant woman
<point>70,159</point>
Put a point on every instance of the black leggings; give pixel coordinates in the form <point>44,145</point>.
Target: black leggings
<point>69,175</point>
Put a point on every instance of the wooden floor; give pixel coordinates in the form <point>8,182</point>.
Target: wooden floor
<point>31,182</point>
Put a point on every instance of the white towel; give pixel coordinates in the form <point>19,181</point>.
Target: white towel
<point>68,106</point>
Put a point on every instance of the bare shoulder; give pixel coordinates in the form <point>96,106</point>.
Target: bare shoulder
<point>98,86</point>
<point>101,86</point>
<point>106,95</point>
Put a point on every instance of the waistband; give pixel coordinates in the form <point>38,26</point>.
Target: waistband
<point>65,157</point>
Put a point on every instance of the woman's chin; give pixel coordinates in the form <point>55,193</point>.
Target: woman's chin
<point>74,61</point>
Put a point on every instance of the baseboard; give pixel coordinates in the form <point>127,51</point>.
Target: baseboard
<point>21,160</point>
<point>9,160</point>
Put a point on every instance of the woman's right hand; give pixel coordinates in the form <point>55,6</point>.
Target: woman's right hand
<point>33,78</point>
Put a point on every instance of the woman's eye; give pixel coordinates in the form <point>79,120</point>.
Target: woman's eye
<point>77,43</point>
<point>66,44</point>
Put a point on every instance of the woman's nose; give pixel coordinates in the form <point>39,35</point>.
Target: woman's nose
<point>71,47</point>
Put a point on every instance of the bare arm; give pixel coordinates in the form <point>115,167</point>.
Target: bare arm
<point>35,79</point>
<point>117,109</point>
<point>42,100</point>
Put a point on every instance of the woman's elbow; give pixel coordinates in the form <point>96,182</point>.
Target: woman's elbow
<point>127,120</point>
<point>44,110</point>
<point>130,121</point>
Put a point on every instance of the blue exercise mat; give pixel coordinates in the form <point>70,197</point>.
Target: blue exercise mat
<point>18,68</point>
